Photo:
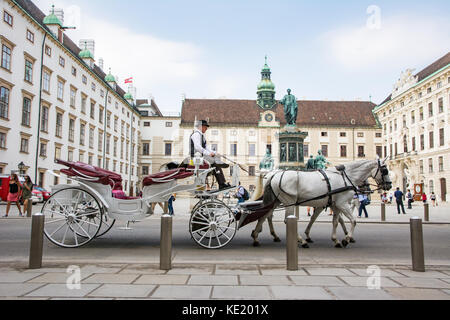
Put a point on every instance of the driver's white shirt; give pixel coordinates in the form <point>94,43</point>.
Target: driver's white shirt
<point>197,137</point>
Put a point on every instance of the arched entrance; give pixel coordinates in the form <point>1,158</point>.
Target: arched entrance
<point>443,189</point>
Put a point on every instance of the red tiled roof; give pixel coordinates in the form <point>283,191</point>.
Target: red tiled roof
<point>248,113</point>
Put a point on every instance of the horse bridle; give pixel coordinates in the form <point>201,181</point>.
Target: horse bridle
<point>384,172</point>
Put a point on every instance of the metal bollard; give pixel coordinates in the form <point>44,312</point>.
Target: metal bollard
<point>383,212</point>
<point>165,257</point>
<point>37,241</point>
<point>418,257</point>
<point>292,243</point>
<point>30,209</point>
<point>427,212</point>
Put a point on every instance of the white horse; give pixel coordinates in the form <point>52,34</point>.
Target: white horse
<point>290,188</point>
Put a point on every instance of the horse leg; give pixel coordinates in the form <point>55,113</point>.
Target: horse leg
<point>349,236</point>
<point>291,212</point>
<point>258,228</point>
<point>272,229</point>
<point>314,217</point>
<point>342,223</point>
<point>337,244</point>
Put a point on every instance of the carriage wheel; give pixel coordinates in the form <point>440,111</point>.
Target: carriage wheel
<point>107,224</point>
<point>70,213</point>
<point>212,225</point>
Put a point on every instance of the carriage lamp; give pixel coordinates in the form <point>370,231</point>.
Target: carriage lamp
<point>21,167</point>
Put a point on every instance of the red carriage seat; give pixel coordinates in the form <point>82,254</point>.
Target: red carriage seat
<point>167,176</point>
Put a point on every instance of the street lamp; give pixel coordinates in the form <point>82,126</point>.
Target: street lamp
<point>21,167</point>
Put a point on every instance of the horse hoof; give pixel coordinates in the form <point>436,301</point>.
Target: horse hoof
<point>338,246</point>
<point>277,240</point>
<point>344,243</point>
<point>256,244</point>
<point>309,240</point>
<point>352,240</point>
<point>305,246</point>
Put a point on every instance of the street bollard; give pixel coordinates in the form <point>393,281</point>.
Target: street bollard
<point>30,209</point>
<point>427,212</point>
<point>292,243</point>
<point>166,207</point>
<point>297,212</point>
<point>37,241</point>
<point>418,257</point>
<point>165,257</point>
<point>383,212</point>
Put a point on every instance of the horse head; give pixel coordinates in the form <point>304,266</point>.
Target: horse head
<point>381,175</point>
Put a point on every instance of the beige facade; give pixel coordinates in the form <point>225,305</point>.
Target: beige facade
<point>416,130</point>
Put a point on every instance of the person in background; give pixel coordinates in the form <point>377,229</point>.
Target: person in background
<point>399,199</point>
<point>424,197</point>
<point>171,200</point>
<point>14,194</point>
<point>410,198</point>
<point>433,199</point>
<point>240,194</point>
<point>362,204</point>
<point>391,196</point>
<point>384,198</point>
<point>27,193</point>
<point>308,209</point>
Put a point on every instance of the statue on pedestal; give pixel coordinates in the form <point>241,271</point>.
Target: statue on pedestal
<point>267,162</point>
<point>321,161</point>
<point>311,164</point>
<point>290,108</point>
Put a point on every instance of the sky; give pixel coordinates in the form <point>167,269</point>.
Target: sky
<point>210,49</point>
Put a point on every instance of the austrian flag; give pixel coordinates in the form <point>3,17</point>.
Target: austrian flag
<point>129,80</point>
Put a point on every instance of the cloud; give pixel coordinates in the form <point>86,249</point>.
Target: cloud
<point>400,41</point>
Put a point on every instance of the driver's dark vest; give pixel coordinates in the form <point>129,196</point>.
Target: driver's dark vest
<point>192,143</point>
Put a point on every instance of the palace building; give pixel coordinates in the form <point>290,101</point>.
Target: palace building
<point>56,102</point>
<point>415,120</point>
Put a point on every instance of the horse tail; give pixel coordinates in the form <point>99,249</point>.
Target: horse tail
<point>259,191</point>
<point>269,196</point>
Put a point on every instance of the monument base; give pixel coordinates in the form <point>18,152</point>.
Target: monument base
<point>291,141</point>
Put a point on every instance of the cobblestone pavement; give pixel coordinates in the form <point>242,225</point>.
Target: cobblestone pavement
<point>223,282</point>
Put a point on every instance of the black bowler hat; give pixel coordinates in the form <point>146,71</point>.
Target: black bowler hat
<point>205,123</point>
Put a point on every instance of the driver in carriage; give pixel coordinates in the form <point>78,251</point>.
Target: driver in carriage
<point>198,144</point>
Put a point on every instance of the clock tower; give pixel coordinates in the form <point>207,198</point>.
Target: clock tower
<point>266,90</point>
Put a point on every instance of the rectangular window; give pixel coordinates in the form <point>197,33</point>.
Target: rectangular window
<point>168,149</point>
<point>30,36</point>
<point>145,170</point>
<point>431,139</point>
<point>441,137</point>
<point>6,57</point>
<point>168,124</point>
<point>73,96</point>
<point>4,102</point>
<point>361,153</point>
<point>379,150</point>
<point>233,149</point>
<point>441,105</point>
<point>441,164</point>
<point>93,86</point>
<point>413,117</point>
<point>84,79</point>
<point>82,133</point>
<point>413,144</point>
<point>92,113</point>
<point>2,140</point>
<point>48,51</point>
<point>343,134</point>
<point>430,166</point>
<point>361,134</point>
<point>43,150</point>
<point>71,130</point>
<point>422,142</point>
<point>108,144</point>
<point>24,145</point>
<point>146,124</point>
<point>83,104</point>
<point>62,62</point>
<point>146,149</point>
<point>60,90</point>
<point>28,71</point>
<point>108,120</point>
<point>430,109</point>
<point>421,166</point>
<point>7,18</point>
<point>252,149</point>
<point>59,121</point>
<point>26,112</point>
<point>343,151</point>
<point>421,114</point>
<point>100,115</point>
<point>325,150</point>
<point>74,71</point>
<point>91,138</point>
<point>58,153</point>
<point>306,150</point>
<point>115,148</point>
<point>46,81</point>
<point>102,93</point>
<point>251,171</point>
<point>100,141</point>
<point>396,148</point>
<point>44,119</point>
<point>324,134</point>
<point>70,155</point>
<point>378,135</point>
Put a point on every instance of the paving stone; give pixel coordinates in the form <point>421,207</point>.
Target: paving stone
<point>111,278</point>
<point>46,270</point>
<point>265,280</point>
<point>300,293</point>
<point>61,291</point>
<point>162,279</point>
<point>17,289</point>
<point>329,272</point>
<point>207,270</point>
<point>384,272</point>
<point>417,294</point>
<point>427,274</point>
<point>215,280</point>
<point>16,277</point>
<point>182,292</point>
<point>241,293</point>
<point>317,281</point>
<point>91,269</point>
<point>446,280</point>
<point>281,271</point>
<point>142,269</point>
<point>447,291</point>
<point>123,291</point>
<point>362,282</point>
<point>422,283</point>
<point>237,269</point>
<point>355,293</point>
<point>54,278</point>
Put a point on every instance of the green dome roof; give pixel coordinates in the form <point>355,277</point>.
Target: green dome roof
<point>110,77</point>
<point>128,96</point>
<point>266,84</point>
<point>52,18</point>
<point>86,54</point>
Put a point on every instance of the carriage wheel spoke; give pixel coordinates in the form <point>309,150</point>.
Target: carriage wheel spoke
<point>215,232</point>
<point>54,221</point>
<point>76,238</point>
<point>53,212</point>
<point>202,216</point>
<point>199,230</point>
<point>65,234</point>
<point>79,226</point>
<point>58,229</point>
<point>90,223</point>
<point>61,206</point>
<point>202,223</point>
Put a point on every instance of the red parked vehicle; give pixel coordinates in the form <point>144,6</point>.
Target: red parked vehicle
<point>4,187</point>
<point>41,192</point>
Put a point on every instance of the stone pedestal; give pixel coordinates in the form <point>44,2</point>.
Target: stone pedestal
<point>291,140</point>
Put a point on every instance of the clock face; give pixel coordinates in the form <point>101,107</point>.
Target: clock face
<point>269,117</point>
<point>418,189</point>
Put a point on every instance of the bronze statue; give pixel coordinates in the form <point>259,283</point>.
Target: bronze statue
<point>290,108</point>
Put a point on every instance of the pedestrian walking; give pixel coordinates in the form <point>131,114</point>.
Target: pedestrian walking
<point>308,210</point>
<point>410,198</point>
<point>14,194</point>
<point>399,199</point>
<point>433,199</point>
<point>170,203</point>
<point>424,197</point>
<point>242,194</point>
<point>362,205</point>
<point>27,193</point>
